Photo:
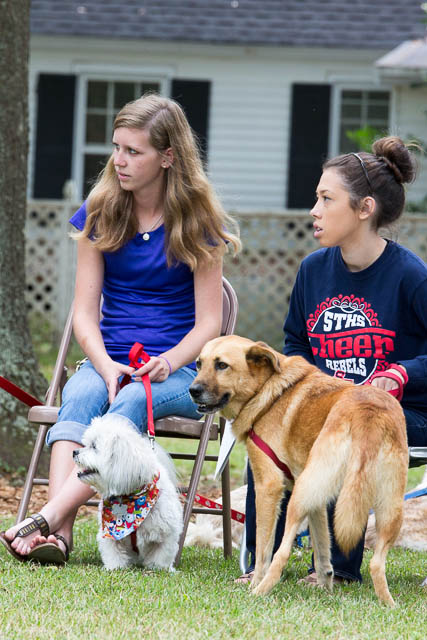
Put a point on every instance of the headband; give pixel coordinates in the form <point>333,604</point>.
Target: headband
<point>362,164</point>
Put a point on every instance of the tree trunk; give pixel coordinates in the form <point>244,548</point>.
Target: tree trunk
<point>17,360</point>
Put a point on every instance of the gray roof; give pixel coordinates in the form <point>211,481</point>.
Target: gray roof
<point>331,23</point>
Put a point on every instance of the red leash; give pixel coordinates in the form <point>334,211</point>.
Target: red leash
<point>210,504</point>
<point>136,354</point>
<point>19,393</point>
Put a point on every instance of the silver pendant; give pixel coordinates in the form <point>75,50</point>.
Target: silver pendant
<point>145,236</point>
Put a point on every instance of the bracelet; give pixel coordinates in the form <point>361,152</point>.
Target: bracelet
<point>401,370</point>
<point>389,373</point>
<point>168,363</point>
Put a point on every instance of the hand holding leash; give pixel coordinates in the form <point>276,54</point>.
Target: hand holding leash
<point>157,368</point>
<point>136,354</point>
<point>394,380</point>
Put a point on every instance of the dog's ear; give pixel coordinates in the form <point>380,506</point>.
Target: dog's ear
<point>261,354</point>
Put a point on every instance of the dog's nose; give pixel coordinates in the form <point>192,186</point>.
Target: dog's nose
<point>196,390</point>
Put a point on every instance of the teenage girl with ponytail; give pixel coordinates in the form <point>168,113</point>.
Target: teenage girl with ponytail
<point>359,305</point>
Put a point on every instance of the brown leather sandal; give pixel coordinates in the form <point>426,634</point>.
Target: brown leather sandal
<point>311,579</point>
<point>51,553</point>
<point>38,524</point>
<point>245,578</point>
<point>6,543</point>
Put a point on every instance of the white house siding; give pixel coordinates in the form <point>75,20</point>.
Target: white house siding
<point>248,140</point>
<point>410,122</point>
<point>251,118</point>
<point>249,122</point>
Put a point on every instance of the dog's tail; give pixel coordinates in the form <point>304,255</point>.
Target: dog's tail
<point>353,504</point>
<point>359,487</point>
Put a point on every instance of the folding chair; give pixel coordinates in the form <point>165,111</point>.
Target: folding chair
<point>203,430</point>
<point>417,456</point>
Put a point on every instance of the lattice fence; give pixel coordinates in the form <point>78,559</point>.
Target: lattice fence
<point>50,259</point>
<point>264,272</point>
<point>262,275</point>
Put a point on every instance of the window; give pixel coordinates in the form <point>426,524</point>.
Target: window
<point>103,100</point>
<point>359,110</point>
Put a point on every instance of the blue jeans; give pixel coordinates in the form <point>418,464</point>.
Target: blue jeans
<point>85,397</point>
<point>347,567</point>
<point>416,428</point>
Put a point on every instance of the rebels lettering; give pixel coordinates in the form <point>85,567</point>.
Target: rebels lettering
<point>350,365</point>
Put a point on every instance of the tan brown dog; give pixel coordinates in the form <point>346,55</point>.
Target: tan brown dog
<point>338,440</point>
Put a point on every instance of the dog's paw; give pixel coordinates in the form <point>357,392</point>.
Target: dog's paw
<point>113,567</point>
<point>262,589</point>
<point>326,581</point>
<point>256,579</point>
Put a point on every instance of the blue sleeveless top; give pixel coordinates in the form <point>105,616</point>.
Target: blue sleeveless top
<point>144,300</point>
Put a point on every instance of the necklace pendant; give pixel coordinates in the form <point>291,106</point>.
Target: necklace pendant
<point>145,236</point>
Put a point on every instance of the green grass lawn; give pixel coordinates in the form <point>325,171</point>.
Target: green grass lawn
<point>200,600</point>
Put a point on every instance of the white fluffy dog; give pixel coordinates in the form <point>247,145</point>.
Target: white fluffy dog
<point>140,513</point>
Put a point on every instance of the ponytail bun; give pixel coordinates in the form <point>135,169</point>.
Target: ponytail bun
<point>393,151</point>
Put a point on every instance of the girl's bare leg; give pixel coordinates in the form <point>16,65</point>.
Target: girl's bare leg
<point>66,495</point>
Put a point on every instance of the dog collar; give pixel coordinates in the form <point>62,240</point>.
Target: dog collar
<point>122,515</point>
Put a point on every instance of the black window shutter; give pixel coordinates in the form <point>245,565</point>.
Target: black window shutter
<point>309,142</point>
<point>54,134</point>
<point>194,98</point>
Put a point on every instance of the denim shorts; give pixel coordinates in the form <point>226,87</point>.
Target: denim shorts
<point>85,397</point>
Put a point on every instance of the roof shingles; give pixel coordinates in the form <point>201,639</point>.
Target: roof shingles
<point>345,23</point>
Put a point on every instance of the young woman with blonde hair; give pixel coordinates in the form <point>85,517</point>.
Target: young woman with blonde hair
<point>151,238</point>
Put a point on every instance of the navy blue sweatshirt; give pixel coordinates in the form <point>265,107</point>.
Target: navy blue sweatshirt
<point>357,323</point>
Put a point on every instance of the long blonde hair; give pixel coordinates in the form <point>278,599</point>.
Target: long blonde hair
<point>195,221</point>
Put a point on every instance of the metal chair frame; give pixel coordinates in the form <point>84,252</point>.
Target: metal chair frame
<point>203,430</point>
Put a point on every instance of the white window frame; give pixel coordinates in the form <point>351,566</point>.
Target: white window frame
<point>162,77</point>
<point>335,114</point>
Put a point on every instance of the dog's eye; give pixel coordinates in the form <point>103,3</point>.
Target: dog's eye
<point>221,365</point>
<point>198,365</point>
<point>93,446</point>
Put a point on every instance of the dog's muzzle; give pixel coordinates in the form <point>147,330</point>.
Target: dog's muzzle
<point>205,401</point>
<point>84,473</point>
